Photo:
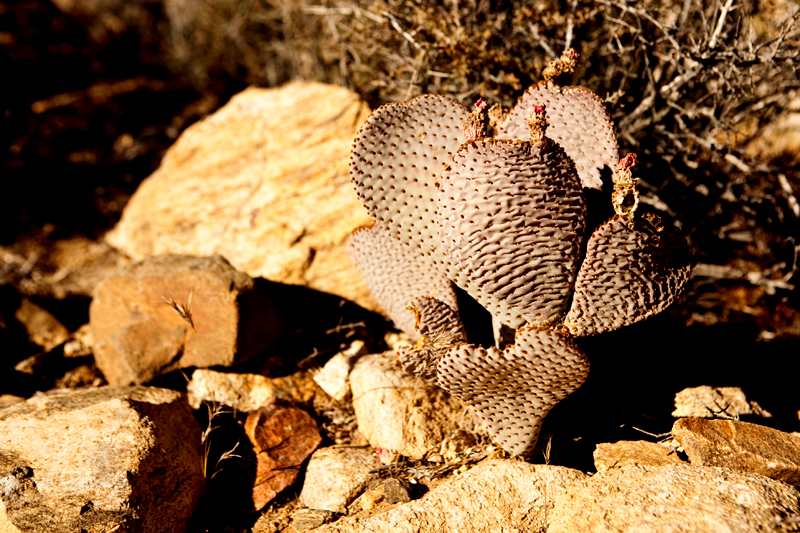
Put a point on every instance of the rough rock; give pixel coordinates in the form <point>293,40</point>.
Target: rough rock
<point>63,268</point>
<point>335,475</point>
<point>399,413</point>
<point>80,343</point>
<point>264,182</point>
<point>9,399</point>
<point>243,392</point>
<point>671,498</point>
<point>633,452</point>
<point>512,493</point>
<point>173,311</point>
<point>95,460</point>
<point>332,377</point>
<point>307,519</point>
<point>283,437</point>
<point>713,402</point>
<point>389,491</point>
<point>748,448</point>
<point>43,328</point>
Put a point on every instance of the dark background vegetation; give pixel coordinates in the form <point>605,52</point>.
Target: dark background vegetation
<point>95,91</point>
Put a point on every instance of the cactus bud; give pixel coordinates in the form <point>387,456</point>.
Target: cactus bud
<point>476,124</point>
<point>538,123</point>
<point>625,197</point>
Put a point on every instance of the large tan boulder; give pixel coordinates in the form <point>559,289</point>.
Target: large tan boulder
<point>263,182</point>
<point>671,498</point>
<point>124,459</point>
<point>494,496</point>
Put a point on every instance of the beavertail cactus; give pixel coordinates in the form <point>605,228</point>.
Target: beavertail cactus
<point>505,219</point>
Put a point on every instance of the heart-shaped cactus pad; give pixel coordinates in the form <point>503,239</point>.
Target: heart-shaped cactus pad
<point>511,218</point>
<point>578,121</point>
<point>397,156</point>
<point>629,274</point>
<point>395,276</point>
<point>513,390</point>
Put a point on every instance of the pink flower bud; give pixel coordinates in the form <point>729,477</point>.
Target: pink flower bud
<point>627,162</point>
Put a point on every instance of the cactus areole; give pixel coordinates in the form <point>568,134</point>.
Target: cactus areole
<point>504,218</point>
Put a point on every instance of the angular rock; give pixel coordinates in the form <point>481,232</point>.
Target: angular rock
<point>81,342</point>
<point>173,311</point>
<point>494,496</point>
<point>667,499</point>
<point>282,437</point>
<point>335,476</point>
<point>390,491</point>
<point>400,413</point>
<point>748,448</point>
<point>633,452</point>
<point>243,392</point>
<point>65,267</point>
<point>332,378</point>
<point>713,402</point>
<point>107,459</point>
<point>43,328</point>
<point>307,519</point>
<point>264,182</point>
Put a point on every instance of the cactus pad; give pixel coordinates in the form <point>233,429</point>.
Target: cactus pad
<point>578,121</point>
<point>629,274</point>
<point>395,277</point>
<point>511,217</point>
<point>513,390</point>
<point>397,157</point>
<point>440,328</point>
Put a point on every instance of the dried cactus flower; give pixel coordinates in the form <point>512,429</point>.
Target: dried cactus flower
<point>513,390</point>
<point>625,197</point>
<point>395,276</point>
<point>440,328</point>
<point>577,120</point>
<point>564,65</point>
<point>629,274</point>
<point>511,218</point>
<point>397,156</point>
<point>497,117</point>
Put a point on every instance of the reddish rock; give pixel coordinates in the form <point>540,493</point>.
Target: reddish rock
<point>741,446</point>
<point>176,311</point>
<point>283,437</point>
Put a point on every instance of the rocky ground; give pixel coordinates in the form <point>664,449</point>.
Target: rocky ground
<point>215,362</point>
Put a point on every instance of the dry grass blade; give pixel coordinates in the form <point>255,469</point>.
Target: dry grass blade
<point>183,310</point>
